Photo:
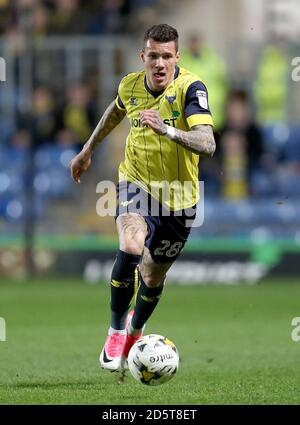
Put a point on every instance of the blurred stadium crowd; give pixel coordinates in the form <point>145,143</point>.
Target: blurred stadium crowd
<point>253,178</point>
<point>74,17</point>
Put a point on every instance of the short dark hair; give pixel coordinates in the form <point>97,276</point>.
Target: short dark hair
<point>162,33</point>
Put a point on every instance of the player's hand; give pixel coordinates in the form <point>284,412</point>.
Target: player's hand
<point>152,118</point>
<point>80,163</point>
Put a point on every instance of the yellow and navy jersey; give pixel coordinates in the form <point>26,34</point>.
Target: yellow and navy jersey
<point>151,158</point>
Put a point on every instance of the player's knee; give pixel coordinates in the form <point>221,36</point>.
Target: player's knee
<point>134,247</point>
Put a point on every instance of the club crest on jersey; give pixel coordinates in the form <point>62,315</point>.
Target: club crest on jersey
<point>171,99</point>
<point>133,101</point>
<point>202,98</point>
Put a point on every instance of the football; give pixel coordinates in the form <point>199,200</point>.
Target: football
<point>153,360</point>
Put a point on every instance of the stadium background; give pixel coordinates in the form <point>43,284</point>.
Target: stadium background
<point>63,62</point>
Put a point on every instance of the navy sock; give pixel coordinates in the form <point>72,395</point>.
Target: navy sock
<point>146,301</point>
<point>123,278</point>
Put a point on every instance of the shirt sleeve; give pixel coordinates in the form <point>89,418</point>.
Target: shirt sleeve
<point>196,106</point>
<point>119,101</point>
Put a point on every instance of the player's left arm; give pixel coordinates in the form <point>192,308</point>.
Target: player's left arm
<point>200,139</point>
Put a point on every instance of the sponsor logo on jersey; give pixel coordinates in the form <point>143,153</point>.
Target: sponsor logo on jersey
<point>202,98</point>
<point>171,99</point>
<point>136,122</point>
<point>133,101</point>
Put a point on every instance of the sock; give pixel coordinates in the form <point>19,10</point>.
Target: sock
<point>116,331</point>
<point>123,278</point>
<point>146,301</point>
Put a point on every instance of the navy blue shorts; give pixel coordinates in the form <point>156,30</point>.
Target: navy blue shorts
<point>168,231</point>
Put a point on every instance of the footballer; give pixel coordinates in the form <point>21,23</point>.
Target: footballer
<point>171,128</point>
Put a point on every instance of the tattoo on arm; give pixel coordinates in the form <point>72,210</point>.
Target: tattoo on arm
<point>109,120</point>
<point>199,140</point>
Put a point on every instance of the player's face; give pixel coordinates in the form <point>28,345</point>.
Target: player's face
<point>160,60</point>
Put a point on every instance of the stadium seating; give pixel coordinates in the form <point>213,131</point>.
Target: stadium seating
<point>51,179</point>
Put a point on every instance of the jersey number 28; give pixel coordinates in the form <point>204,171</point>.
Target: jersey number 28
<point>168,249</point>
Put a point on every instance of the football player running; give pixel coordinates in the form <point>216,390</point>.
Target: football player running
<point>171,128</point>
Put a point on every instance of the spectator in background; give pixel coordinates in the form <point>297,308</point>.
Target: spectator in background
<point>142,14</point>
<point>109,19</point>
<point>271,84</point>
<point>78,114</point>
<point>5,14</point>
<point>200,59</point>
<point>68,18</point>
<point>241,147</point>
<point>43,117</point>
<point>40,20</point>
<point>234,166</point>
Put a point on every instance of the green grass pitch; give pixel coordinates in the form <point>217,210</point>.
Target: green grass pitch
<point>235,345</point>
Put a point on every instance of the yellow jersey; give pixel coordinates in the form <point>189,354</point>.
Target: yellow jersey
<point>152,159</point>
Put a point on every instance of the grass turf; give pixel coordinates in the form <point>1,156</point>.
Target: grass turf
<point>235,345</point>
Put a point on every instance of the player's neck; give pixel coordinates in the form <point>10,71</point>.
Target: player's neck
<point>157,93</point>
<point>149,89</point>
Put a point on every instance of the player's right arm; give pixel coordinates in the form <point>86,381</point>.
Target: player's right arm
<point>109,120</point>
